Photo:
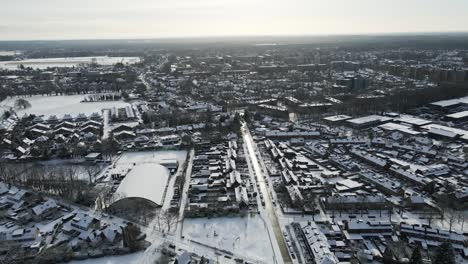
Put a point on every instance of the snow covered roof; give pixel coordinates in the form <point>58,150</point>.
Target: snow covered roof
<point>413,120</point>
<point>452,102</point>
<point>3,188</point>
<point>337,118</point>
<point>146,181</point>
<point>404,129</point>
<point>369,119</point>
<point>41,208</point>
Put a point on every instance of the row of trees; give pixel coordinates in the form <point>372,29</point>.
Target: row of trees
<point>62,181</point>
<point>444,254</point>
<point>398,101</point>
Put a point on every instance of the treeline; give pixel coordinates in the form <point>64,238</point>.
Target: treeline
<point>60,181</point>
<point>402,100</point>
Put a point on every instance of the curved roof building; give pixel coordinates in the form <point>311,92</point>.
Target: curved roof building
<point>146,181</point>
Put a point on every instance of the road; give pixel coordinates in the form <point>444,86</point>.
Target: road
<point>184,196</point>
<point>105,116</point>
<point>143,80</point>
<point>269,207</point>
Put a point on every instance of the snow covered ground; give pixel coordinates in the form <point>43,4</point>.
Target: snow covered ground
<point>244,235</point>
<point>127,259</point>
<point>60,105</point>
<point>151,156</point>
<point>67,62</point>
<point>9,53</point>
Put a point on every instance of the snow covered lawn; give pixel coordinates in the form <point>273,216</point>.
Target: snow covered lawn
<point>246,236</point>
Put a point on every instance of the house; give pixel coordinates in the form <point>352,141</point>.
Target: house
<point>171,164</point>
<point>124,136</point>
<point>141,139</point>
<point>368,121</point>
<point>121,128</point>
<point>45,209</point>
<point>95,116</point>
<point>369,228</point>
<point>3,188</point>
<point>67,117</point>
<point>418,202</point>
<point>66,124</point>
<point>64,131</point>
<point>93,156</point>
<point>91,129</point>
<point>91,123</point>
<point>81,117</point>
<point>84,222</point>
<point>111,233</point>
<point>15,195</point>
<point>23,235</point>
<point>52,119</point>
<point>170,140</point>
<point>183,257</point>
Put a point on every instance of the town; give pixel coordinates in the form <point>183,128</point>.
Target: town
<point>293,151</point>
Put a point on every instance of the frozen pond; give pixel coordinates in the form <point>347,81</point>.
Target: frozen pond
<point>247,236</point>
<point>67,62</point>
<point>60,105</point>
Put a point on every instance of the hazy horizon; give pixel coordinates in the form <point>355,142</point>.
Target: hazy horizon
<point>258,37</point>
<point>160,19</point>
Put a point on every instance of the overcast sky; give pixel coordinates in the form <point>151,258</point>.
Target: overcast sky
<point>98,19</point>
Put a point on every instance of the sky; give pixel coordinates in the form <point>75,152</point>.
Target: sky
<point>117,19</point>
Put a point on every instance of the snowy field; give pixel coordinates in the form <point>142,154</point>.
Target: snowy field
<point>67,62</point>
<point>60,105</point>
<point>9,53</point>
<point>246,236</point>
<point>151,156</point>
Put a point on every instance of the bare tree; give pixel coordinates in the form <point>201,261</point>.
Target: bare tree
<point>451,218</point>
<point>170,219</point>
<point>461,218</point>
<point>92,172</point>
<point>362,201</point>
<point>21,103</point>
<point>430,218</point>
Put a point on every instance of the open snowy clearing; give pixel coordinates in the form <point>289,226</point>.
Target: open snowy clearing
<point>60,105</point>
<point>246,235</point>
